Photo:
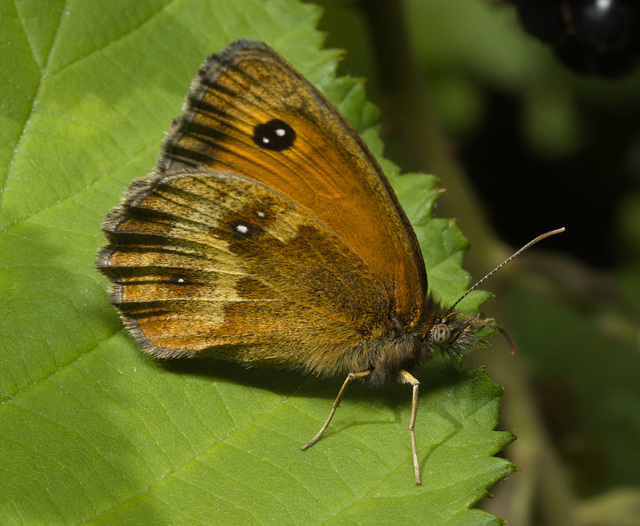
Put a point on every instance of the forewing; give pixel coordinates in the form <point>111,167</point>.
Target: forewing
<point>251,112</point>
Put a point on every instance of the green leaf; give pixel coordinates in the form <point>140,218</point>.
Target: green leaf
<point>92,430</point>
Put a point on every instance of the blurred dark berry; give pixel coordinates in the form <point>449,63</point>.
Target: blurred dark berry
<point>592,37</point>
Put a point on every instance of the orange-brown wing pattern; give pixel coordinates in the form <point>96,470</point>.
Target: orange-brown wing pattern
<point>250,112</point>
<point>217,263</point>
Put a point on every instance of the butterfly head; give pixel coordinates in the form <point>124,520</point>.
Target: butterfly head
<point>456,333</point>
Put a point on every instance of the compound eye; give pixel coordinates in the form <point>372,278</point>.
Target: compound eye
<point>441,334</point>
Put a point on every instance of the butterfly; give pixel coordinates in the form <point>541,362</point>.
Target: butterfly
<point>269,235</point>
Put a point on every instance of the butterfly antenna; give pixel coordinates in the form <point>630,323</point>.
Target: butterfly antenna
<point>512,256</point>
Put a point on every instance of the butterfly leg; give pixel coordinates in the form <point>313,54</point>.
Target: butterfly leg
<point>349,379</point>
<point>407,378</point>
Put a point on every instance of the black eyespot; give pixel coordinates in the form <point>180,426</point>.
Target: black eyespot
<point>243,229</point>
<point>180,279</point>
<point>274,135</point>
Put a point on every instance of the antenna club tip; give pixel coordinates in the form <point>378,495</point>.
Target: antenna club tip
<point>549,234</point>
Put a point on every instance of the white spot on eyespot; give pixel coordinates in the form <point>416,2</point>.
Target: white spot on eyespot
<point>181,281</point>
<point>265,140</point>
<point>281,132</point>
<point>242,228</point>
<point>260,213</point>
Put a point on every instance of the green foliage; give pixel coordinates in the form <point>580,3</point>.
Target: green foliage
<point>92,430</point>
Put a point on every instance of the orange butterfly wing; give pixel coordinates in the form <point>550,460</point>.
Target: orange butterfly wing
<point>246,95</point>
<point>268,232</point>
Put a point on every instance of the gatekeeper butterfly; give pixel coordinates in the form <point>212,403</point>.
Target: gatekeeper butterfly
<point>268,234</point>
